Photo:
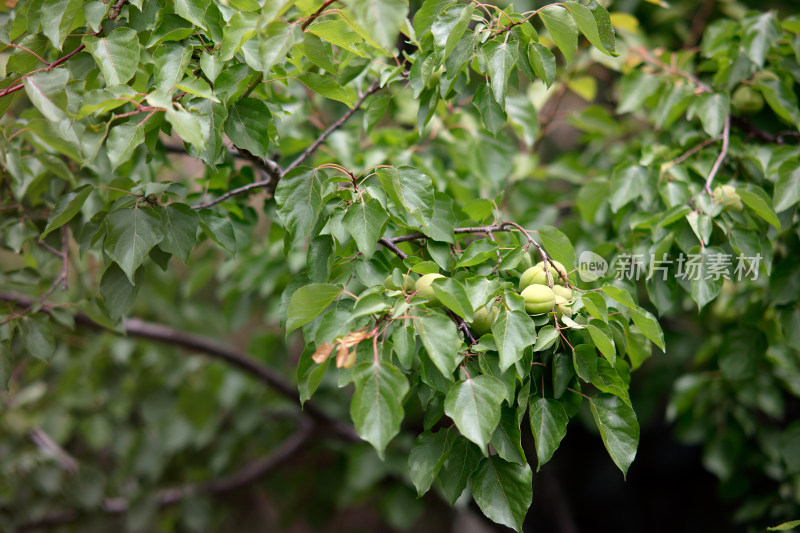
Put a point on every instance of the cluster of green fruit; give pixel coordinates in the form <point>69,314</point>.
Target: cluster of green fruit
<point>534,287</point>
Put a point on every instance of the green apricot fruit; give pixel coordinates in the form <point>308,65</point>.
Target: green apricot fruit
<point>538,299</point>
<point>536,275</point>
<point>563,292</point>
<point>408,283</point>
<point>424,289</point>
<point>747,100</point>
<point>727,196</point>
<point>483,318</point>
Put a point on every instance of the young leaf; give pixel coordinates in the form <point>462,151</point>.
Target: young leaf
<point>383,18</point>
<point>548,425</point>
<point>453,296</point>
<point>299,199</point>
<point>618,427</point>
<point>492,114</point>
<point>501,56</point>
<point>309,301</point>
<point>327,87</point>
<point>377,404</point>
<point>58,17</point>
<point>757,200</point>
<point>248,126</point>
<point>586,22</point>
<point>180,230</point>
<point>648,324</point>
<point>474,405</point>
<point>543,62</point>
<point>449,27</point>
<point>562,29</point>
<point>122,142</point>
<point>503,491</point>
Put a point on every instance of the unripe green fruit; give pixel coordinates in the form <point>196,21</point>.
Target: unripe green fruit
<point>747,100</point>
<point>408,283</point>
<point>536,275</point>
<point>483,318</point>
<point>563,292</point>
<point>727,196</point>
<point>538,299</point>
<point>424,289</point>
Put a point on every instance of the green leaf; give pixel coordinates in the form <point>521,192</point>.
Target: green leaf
<point>309,301</point>
<point>67,207</point>
<point>787,188</point>
<point>37,336</point>
<point>119,294</point>
<point>620,295</point>
<point>58,18</point>
<point>248,125</point>
<point>440,338</point>
<point>627,183</point>
<point>458,467</point>
<point>648,324</point>
<point>427,456</point>
<point>549,426</point>
<point>192,10</point>
<point>383,18</point>
<point>492,114</point>
<point>607,379</point>
<point>170,28</point>
<point>562,29</point>
<point>299,199</point>
<point>481,290</point>
<point>543,62</point>
<point>449,27</point>
<point>117,55</point>
<point>122,142</point>
<point>426,15</point>
<point>241,28</point>
<point>275,42</point>
<point>507,438</point>
<point>558,246</point>
<point>587,24</point>
<point>618,427</point>
<point>219,229</point>
<point>501,56</point>
<point>327,87</point>
<point>545,338</point>
<point>474,405</point>
<point>563,372</point>
<point>453,296</point>
<point>503,491</point>
<point>786,526</point>
<point>712,109</point>
<point>365,221</point>
<point>513,332</point>
<point>478,252</point>
<point>584,357</point>
<point>377,405</point>
<point>130,235</point>
<point>170,62</point>
<point>761,32</point>
<point>603,339</point>
<point>757,200</point>
<point>596,305</point>
<point>180,230</point>
<point>192,128</point>
<point>309,373</point>
<point>46,91</point>
<point>409,188</point>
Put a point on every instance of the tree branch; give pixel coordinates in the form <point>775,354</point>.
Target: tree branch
<point>160,333</point>
<point>272,168</point>
<point>316,14</point>
<point>169,496</point>
<point>726,134</point>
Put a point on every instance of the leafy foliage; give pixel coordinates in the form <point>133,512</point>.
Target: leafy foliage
<point>136,131</point>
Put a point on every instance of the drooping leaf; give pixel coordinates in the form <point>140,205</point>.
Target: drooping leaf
<point>248,126</point>
<point>549,426</point>
<point>180,230</point>
<point>618,427</point>
<point>501,56</point>
<point>440,338</point>
<point>449,26</point>
<point>458,467</point>
<point>377,404</point>
<point>365,221</point>
<point>67,207</point>
<point>122,142</point>
<point>474,405</point>
<point>59,18</point>
<point>427,456</point>
<point>543,62</point>
<point>648,324</point>
<point>503,491</point>
<point>383,18</point>
<point>299,199</point>
<point>562,29</point>
<point>507,438</point>
<point>117,55</point>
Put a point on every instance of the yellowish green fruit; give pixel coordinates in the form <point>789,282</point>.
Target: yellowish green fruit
<point>536,275</point>
<point>727,196</point>
<point>483,319</point>
<point>538,299</point>
<point>408,283</point>
<point>564,292</point>
<point>424,289</point>
<point>747,100</point>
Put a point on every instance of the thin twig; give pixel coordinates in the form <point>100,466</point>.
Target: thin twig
<point>316,14</point>
<point>645,54</point>
<point>726,133</point>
